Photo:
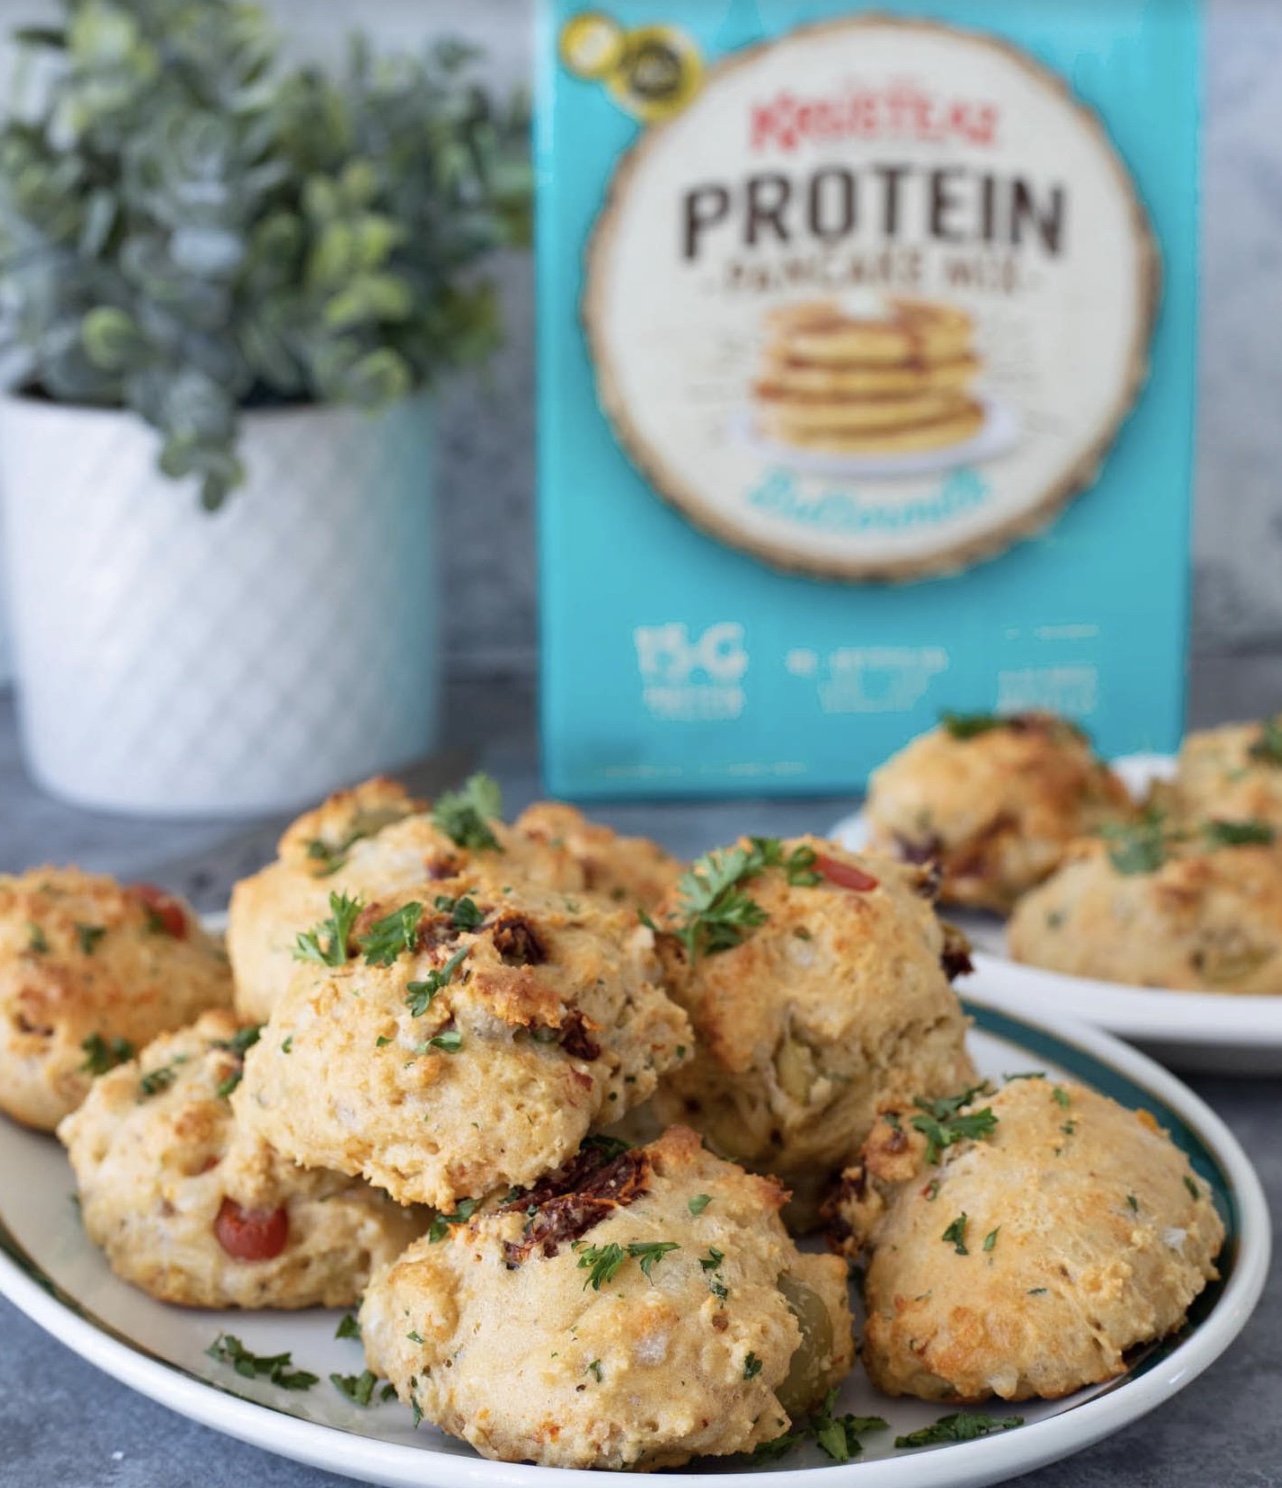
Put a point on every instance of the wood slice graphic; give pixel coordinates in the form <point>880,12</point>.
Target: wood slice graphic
<point>876,303</point>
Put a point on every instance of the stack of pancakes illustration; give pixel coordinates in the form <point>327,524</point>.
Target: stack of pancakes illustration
<point>893,381</point>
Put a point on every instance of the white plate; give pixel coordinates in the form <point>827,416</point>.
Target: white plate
<point>999,433</point>
<point>1189,1030</point>
<point>49,1270</point>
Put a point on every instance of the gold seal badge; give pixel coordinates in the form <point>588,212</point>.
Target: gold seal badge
<point>592,46</point>
<point>660,73</point>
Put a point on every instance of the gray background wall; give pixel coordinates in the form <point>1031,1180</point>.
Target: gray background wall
<point>487,473</point>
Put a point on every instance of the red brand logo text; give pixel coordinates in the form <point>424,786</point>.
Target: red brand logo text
<point>902,111</point>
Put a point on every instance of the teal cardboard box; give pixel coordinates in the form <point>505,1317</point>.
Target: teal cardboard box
<point>866,343</point>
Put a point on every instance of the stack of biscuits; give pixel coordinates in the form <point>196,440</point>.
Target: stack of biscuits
<point>897,381</point>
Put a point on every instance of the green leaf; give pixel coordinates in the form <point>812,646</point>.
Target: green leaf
<point>112,339</point>
<point>465,815</point>
<point>1267,749</point>
<point>379,379</point>
<point>392,936</point>
<point>960,1427</point>
<point>1239,834</point>
<point>419,996</point>
<point>368,299</point>
<point>329,943</point>
<point>228,1349</point>
<point>970,725</point>
<point>102,1055</point>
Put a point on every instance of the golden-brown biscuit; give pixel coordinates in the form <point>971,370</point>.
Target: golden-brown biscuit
<point>89,971</point>
<point>194,1213</point>
<point>1195,914</point>
<point>994,801</point>
<point>629,1312</point>
<point>1055,1232</point>
<point>460,1045</point>
<point>1232,773</point>
<point>372,842</point>
<point>625,870</point>
<point>816,984</point>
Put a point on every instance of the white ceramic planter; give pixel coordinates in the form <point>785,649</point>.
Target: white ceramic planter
<point>170,661</point>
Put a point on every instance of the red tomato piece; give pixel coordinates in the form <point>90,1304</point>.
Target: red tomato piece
<point>845,875</point>
<point>251,1234</point>
<point>168,915</point>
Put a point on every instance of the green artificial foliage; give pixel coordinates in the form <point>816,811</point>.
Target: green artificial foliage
<point>189,229</point>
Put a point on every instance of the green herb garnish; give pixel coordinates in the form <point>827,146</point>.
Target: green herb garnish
<point>718,913</point>
<point>1268,747</point>
<point>442,1223</point>
<point>88,937</point>
<point>348,1328</point>
<point>1192,1187</point>
<point>163,1077</point>
<point>699,1203</point>
<point>449,1042</point>
<point>1239,834</point>
<point>229,1350</point>
<point>971,725</point>
<point>990,1239</point>
<point>420,995</point>
<point>359,1388</point>
<point>392,936</point>
<point>752,1366</point>
<point>328,943</point>
<point>37,941</point>
<point>102,1054</point>
<point>1060,1096</point>
<point>1139,847</point>
<point>465,815</point>
<point>839,1436</point>
<point>960,1427</point>
<point>956,1234</point>
<point>602,1263</point>
<point>594,1369</point>
<point>650,1253</point>
<point>943,1125</point>
<point>243,1039</point>
<point>463,913</point>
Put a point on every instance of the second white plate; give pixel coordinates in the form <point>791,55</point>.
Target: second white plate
<point>1188,1030</point>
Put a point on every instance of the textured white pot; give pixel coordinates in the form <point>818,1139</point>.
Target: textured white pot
<point>170,661</point>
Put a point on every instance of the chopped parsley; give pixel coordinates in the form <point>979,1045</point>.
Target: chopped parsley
<point>442,1223</point>
<point>359,1388</point>
<point>88,936</point>
<point>348,1328</point>
<point>227,1349</point>
<point>392,936</point>
<point>1025,1075</point>
<point>718,912</point>
<point>943,1125</point>
<point>287,1045</point>
<point>608,1147</point>
<point>102,1054</point>
<point>960,1427</point>
<point>594,1369</point>
<point>1133,1203</point>
<point>163,1077</point>
<point>932,1190</point>
<point>956,1234</point>
<point>1268,747</point>
<point>1060,1096</point>
<point>699,1203</point>
<point>420,995</point>
<point>227,1087</point>
<point>752,1366</point>
<point>1239,834</point>
<point>243,1039</point>
<point>1139,847</point>
<point>990,1239</point>
<point>1192,1187</point>
<point>327,944</point>
<point>463,912</point>
<point>602,1263</point>
<point>1038,1291</point>
<point>449,1042</point>
<point>650,1253</point>
<point>37,941</point>
<point>465,815</point>
<point>713,1259</point>
<point>839,1436</point>
<point>414,1336</point>
<point>970,725</point>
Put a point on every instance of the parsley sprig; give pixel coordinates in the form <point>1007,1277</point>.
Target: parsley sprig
<point>103,1054</point>
<point>463,911</point>
<point>465,815</point>
<point>971,725</point>
<point>604,1262</point>
<point>1268,747</point>
<point>359,1388</point>
<point>839,1436</point>
<point>718,912</point>
<point>228,1349</point>
<point>962,1426</point>
<point>88,936</point>
<point>392,936</point>
<point>1239,834</point>
<point>420,995</point>
<point>943,1125</point>
<point>443,1223</point>
<point>161,1078</point>
<point>328,944</point>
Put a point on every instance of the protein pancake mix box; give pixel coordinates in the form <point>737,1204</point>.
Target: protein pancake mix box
<point>866,379</point>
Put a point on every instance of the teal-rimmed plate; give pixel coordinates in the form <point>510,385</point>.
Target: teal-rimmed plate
<point>50,1271</point>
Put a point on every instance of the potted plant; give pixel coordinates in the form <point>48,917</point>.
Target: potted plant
<point>227,291</point>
